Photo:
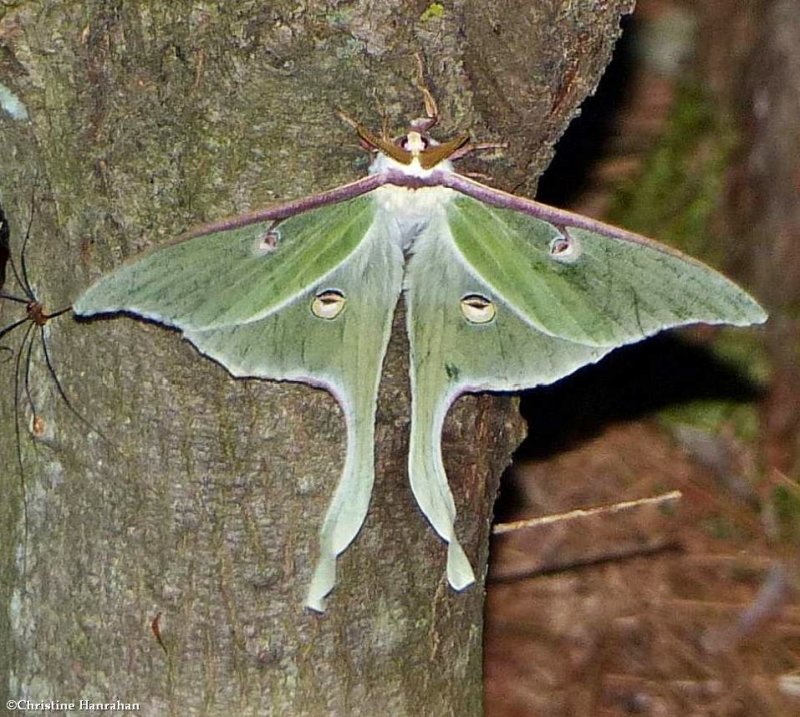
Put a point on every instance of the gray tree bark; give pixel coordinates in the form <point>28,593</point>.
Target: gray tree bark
<point>203,505</point>
<point>764,213</point>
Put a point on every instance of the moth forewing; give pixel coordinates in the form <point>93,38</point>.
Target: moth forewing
<point>502,293</point>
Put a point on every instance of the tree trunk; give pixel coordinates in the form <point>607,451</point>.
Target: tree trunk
<point>202,501</point>
<point>765,208</point>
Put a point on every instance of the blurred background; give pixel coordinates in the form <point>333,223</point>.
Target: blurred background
<point>645,556</point>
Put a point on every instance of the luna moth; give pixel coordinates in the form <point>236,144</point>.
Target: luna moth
<point>502,293</point>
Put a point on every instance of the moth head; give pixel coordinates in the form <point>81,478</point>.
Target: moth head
<point>414,142</point>
<point>414,146</point>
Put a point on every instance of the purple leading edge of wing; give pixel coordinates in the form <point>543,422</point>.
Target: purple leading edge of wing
<point>295,206</point>
<point>558,217</point>
<point>449,179</point>
<point>498,198</point>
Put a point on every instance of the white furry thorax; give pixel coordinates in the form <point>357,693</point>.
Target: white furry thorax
<point>411,209</point>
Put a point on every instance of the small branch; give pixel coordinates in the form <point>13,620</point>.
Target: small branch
<point>551,543</point>
<point>667,500</point>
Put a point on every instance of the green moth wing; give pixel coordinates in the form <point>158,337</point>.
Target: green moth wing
<point>602,287</point>
<point>332,332</point>
<point>344,354</point>
<point>499,300</point>
<point>233,276</point>
<point>451,355</point>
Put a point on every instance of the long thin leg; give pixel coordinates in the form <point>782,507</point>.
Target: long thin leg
<point>18,436</point>
<point>5,249</point>
<point>7,329</point>
<point>22,280</point>
<point>61,392</point>
<point>28,360</point>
